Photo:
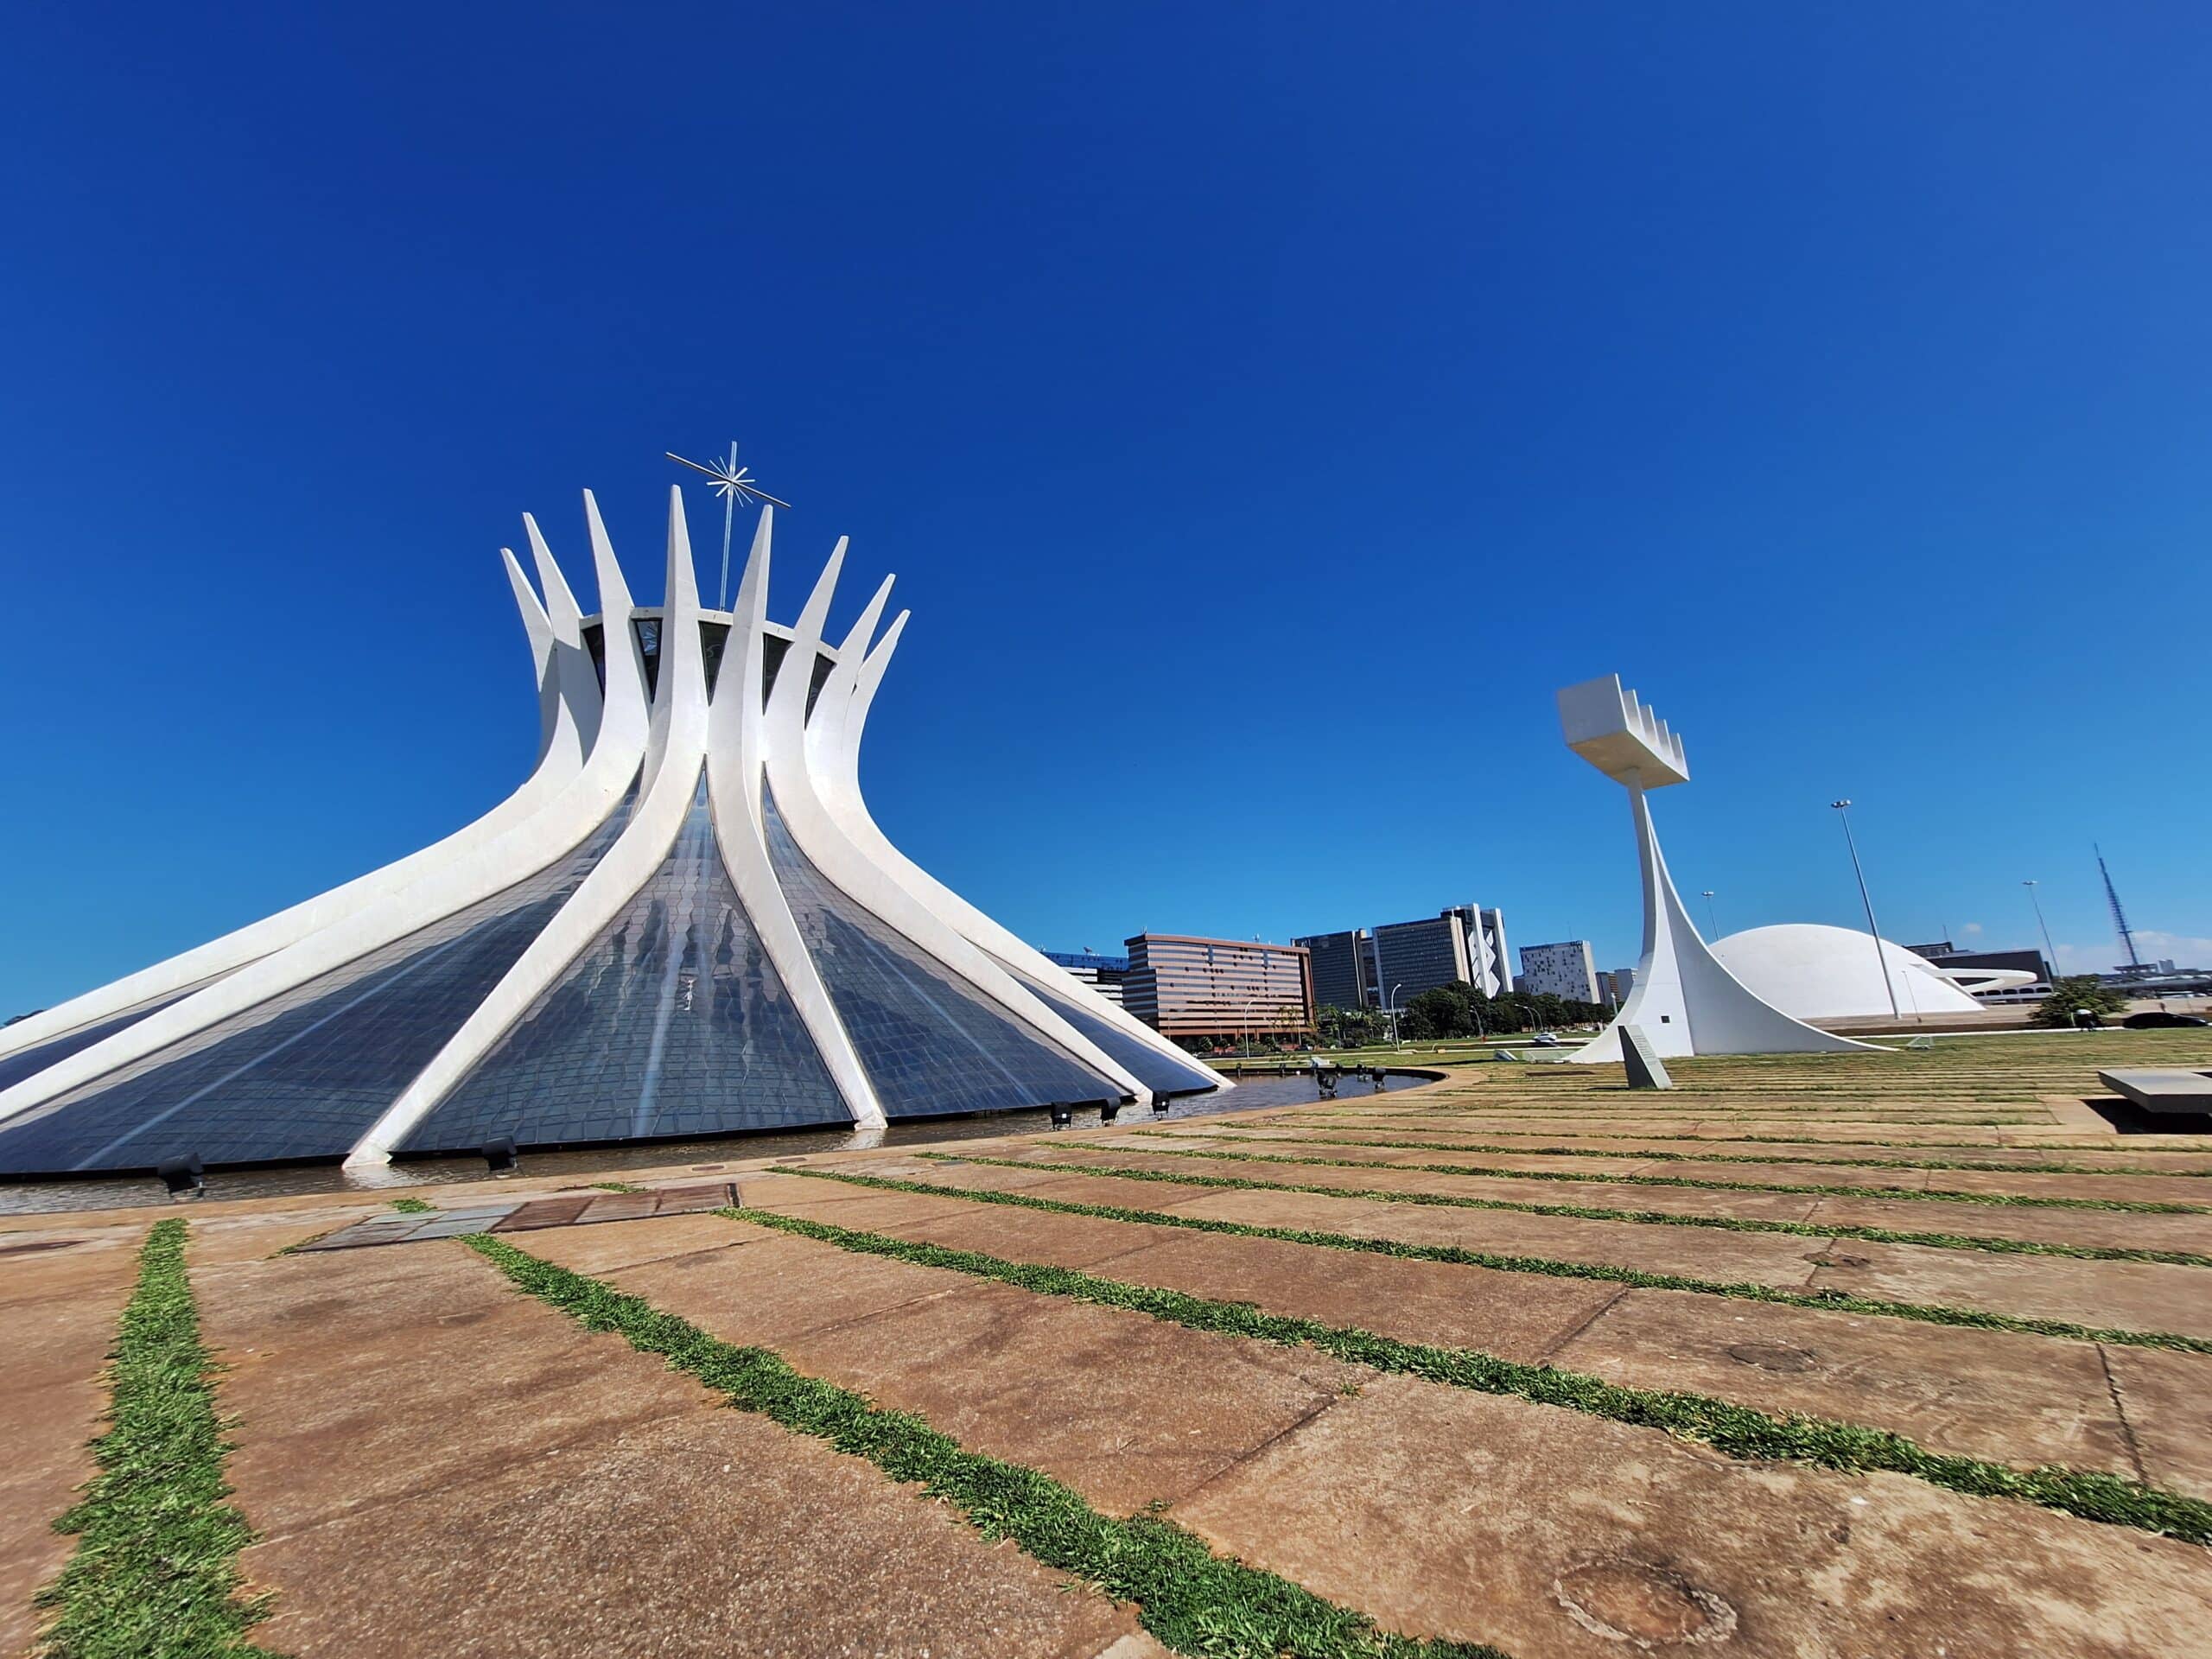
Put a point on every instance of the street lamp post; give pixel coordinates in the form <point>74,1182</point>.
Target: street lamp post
<point>1712,920</point>
<point>1244,1027</point>
<point>2049,954</point>
<point>1843,810</point>
<point>1394,1011</point>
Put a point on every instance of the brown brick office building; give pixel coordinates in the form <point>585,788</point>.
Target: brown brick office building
<point>1204,991</point>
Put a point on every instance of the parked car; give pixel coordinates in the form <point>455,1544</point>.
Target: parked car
<point>1544,1040</point>
<point>2160,1019</point>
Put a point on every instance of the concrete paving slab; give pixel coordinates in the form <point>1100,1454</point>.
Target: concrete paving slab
<point>600,1249</point>
<point>2153,1189</point>
<point>829,1201</point>
<point>1521,1316</point>
<point>2018,1399</point>
<point>62,1292</point>
<point>1447,1513</point>
<point>335,1360</point>
<point>1127,1410</point>
<point>1779,1260</point>
<point>1080,1242</point>
<point>2167,1400</point>
<point>1983,1393</point>
<point>710,1533</point>
<point>2095,1228</point>
<point>786,1293</point>
<point>2121,1295</point>
<point>1759,1206</point>
<point>573,1495</point>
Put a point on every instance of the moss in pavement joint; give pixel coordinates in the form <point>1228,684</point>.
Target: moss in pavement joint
<point>1586,1212</point>
<point>1739,1431</point>
<point>154,1575</point>
<point>1801,1140</point>
<point>1833,1300</point>
<point>1747,1157</point>
<point>1931,1195</point>
<point>1194,1600</point>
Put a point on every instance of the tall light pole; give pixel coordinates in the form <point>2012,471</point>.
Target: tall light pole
<point>1395,989</point>
<point>1843,810</point>
<point>1711,920</point>
<point>2049,954</point>
<point>1244,1026</point>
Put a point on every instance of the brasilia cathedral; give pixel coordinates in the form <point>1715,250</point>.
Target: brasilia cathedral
<point>685,922</point>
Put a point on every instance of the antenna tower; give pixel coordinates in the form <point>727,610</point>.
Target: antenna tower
<point>2118,916</point>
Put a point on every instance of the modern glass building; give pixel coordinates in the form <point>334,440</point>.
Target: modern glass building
<point>684,923</point>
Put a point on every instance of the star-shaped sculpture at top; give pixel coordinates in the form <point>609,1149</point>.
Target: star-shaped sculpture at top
<point>733,484</point>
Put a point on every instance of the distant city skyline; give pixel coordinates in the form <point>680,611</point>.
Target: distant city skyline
<point>1263,429</point>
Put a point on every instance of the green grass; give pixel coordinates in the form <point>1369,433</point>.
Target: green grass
<point>1717,1158</point>
<point>413,1206</point>
<point>1829,1301</point>
<point>1785,1140</point>
<point>154,1575</point>
<point>1194,1600</point>
<point>1739,1431</point>
<point>1910,1195</point>
<point>1586,1212</point>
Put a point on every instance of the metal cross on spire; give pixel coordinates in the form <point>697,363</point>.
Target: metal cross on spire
<point>733,484</point>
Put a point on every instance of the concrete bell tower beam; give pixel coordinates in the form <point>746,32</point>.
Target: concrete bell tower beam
<point>1684,1000</point>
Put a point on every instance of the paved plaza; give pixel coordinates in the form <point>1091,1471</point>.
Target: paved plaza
<point>1897,1353</point>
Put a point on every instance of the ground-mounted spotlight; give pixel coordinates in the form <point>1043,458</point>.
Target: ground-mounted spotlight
<point>1110,1111</point>
<point>185,1178</point>
<point>501,1156</point>
<point>1063,1115</point>
<point>1159,1105</point>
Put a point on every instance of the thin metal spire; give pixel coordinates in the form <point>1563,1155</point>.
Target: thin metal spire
<point>731,483</point>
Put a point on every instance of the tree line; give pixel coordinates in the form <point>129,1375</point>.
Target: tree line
<point>1457,1010</point>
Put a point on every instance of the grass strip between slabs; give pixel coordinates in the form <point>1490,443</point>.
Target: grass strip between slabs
<point>1586,1212</point>
<point>1739,1431</point>
<point>1331,1119</point>
<point>2013,1118</point>
<point>1706,1157</point>
<point>1195,1601</point>
<point>1829,1301</point>
<point>1911,1195</point>
<point>412,1206</point>
<point>155,1566</point>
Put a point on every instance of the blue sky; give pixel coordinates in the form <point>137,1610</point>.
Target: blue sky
<point>1281,390</point>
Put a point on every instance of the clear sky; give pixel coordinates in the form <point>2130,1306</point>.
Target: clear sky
<point>1265,408</point>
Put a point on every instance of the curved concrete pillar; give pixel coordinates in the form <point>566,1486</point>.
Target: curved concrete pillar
<point>790,776</point>
<point>834,752</point>
<point>1683,1001</point>
<point>581,706</point>
<point>736,740</point>
<point>679,725</point>
<point>562,691</point>
<point>447,877</point>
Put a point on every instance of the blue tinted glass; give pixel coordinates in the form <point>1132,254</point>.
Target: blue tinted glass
<point>930,1044</point>
<point>1161,1073</point>
<point>673,1022</point>
<point>303,1074</point>
<point>16,1067</point>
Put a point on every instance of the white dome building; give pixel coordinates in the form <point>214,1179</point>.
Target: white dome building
<point>1814,972</point>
